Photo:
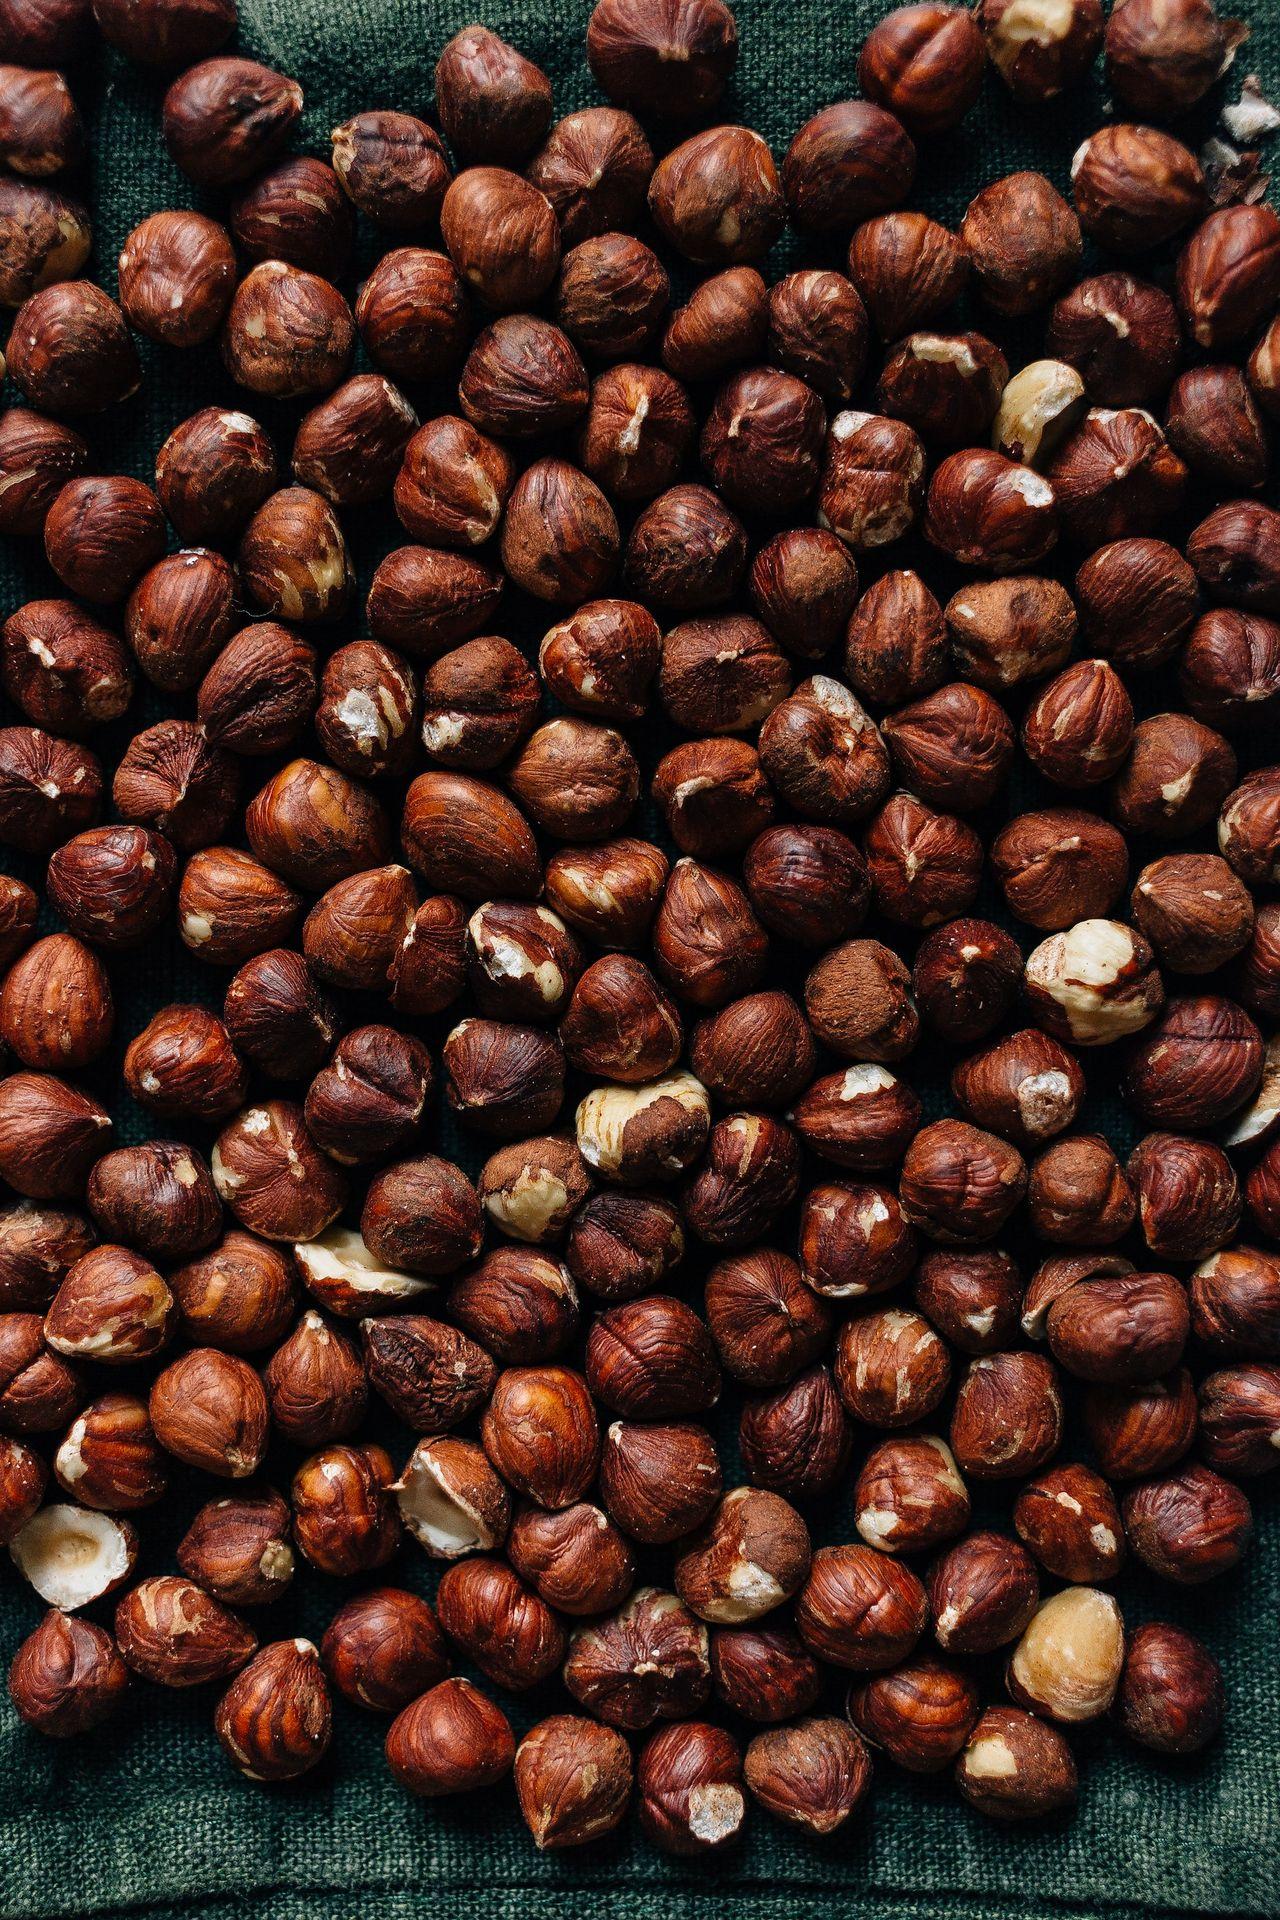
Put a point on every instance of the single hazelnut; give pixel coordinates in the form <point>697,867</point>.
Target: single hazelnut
<point>953,748</point>
<point>717,197</point>
<point>1041,50</point>
<point>766,1324</point>
<point>384,1648</point>
<point>412,313</point>
<point>973,1298</point>
<point>812,1774</point>
<point>177,274</point>
<point>345,1516</point>
<point>1201,1061</point>
<point>594,168</point>
<point>67,1676</point>
<point>751,1557</point>
<point>652,1359</point>
<point>1071,1522</point>
<point>451,1739</point>
<point>490,99</point>
<point>908,1496</point>
<point>533,1189</point>
<point>989,1440</point>
<point>50,1135</point>
<point>808,883</point>
<point>648,1661</point>
<point>659,1482</point>
<point>428,969</point>
<point>921,1715</point>
<point>965,978</point>
<point>48,238</point>
<point>70,351</point>
<point>274,1720</point>
<point>72,1557</point>
<point>1188,1527</point>
<point>986,511</point>
<point>451,1500</point>
<point>863,1118</point>
<point>56,1010</point>
<point>959,1183</point>
<point>422,1216</point>
<point>541,1433</point>
<point>924,866</point>
<point>796,1440</point>
<point>1016,1767</point>
<point>273,1177</point>
<point>854,1240</point>
<point>225,118</point>
<point>764,1673</point>
<point>1170,1695</point>
<point>573,1780</point>
<point>393,166</point>
<point>860,1609</point>
<point>296,211</point>
<point>674,63</point>
<point>1136,1431</point>
<point>288,334</point>
<point>432,1376</point>
<point>846,164</point>
<point>690,1799</point>
<point>238,1548</point>
<point>502,235</point>
<point>982,1593</point>
<point>576,1559</point>
<point>37,458</point>
<point>908,270</point>
<point>1078,1195</point>
<point>871,487</point>
<point>622,1244</point>
<point>172,1633</point>
<point>1024,242</point>
<point>279,1016</point>
<point>499,1623</point>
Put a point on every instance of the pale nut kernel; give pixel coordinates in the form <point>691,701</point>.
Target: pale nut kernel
<point>653,1132</point>
<point>1067,1664</point>
<point>1094,983</point>
<point>1038,407</point>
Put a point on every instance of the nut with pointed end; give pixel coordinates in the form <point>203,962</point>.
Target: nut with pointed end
<point>452,1739</point>
<point>275,1719</point>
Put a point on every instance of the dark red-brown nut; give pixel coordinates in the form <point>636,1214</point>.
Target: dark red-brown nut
<point>1122,337</point>
<point>492,102</point>
<point>871,487</point>
<point>808,883</point>
<point>945,386</point>
<point>601,658</point>
<point>560,537</point>
<point>175,1635</point>
<point>724,324</point>
<point>688,1778</point>
<point>293,558</point>
<point>717,197</point>
<point>212,472</point>
<point>1016,1767</point>
<point>453,485</point>
<point>288,333</point>
<point>573,1780</point>
<point>860,1609</point>
<point>1069,1519</point>
<point>367,1103</point>
<point>924,866</point>
<point>37,458</point>
<point>275,1719</point>
<point>707,942</point>
<point>1024,242</point>
<point>541,1433</point>
<point>908,1496</point>
<point>1060,866</point>
<point>1135,187</point>
<point>1007,1419</point>
<point>1026,1087</point>
<point>620,1025</point>
<point>99,535</point>
<point>522,960</point>
<point>1079,729</point>
<point>523,377</point>
<point>50,1135</point>
<point>1188,1195</point>
<point>925,64</point>
<point>57,664</point>
<point>1135,1431</point>
<point>921,1716</point>
<point>1256,979</point>
<point>576,1559</point>
<point>673,60</point>
<point>240,1297</point>
<point>812,1774</point>
<point>908,270</point>
<point>70,351</point>
<point>1093,983</point>
<point>173,779</point>
<point>173,36</point>
<point>987,511</point>
<point>479,701</point>
<point>180,615</point>
<point>823,753</point>
<point>1170,1696</point>
<point>296,211</point>
<point>451,1500</point>
<point>686,551</point>
<point>637,430</point>
<point>451,1739</point>
<point>649,1661</point>
<point>1202,1061</point>
<point>422,1215</point>
<point>428,970</point>
<point>225,118</point>
<point>279,1016</point>
<point>576,780</point>
<point>849,162</point>
<point>316,827</point>
<point>652,1359</point>
<point>1240,1419</point>
<point>412,314</point>
<point>392,166</point>
<point>502,236</point>
<point>158,1196</point>
<point>764,1673</point>
<point>1194,910</point>
<point>611,298</point>
<point>273,1177</point>
<point>1229,275</point>
<point>365,719</point>
<point>721,675</point>
<point>749,1177</point>
<point>522,1303</point>
<point>973,1298</point>
<point>177,273</point>
<point>345,1517</point>
<point>108,1460</point>
<point>23,1480</point>
<point>210,1410</point>
<point>39,1391</point>
<point>1137,599</point>
<point>659,1482</point>
<point>1040,52</point>
<point>315,1384</point>
<point>594,169</point>
<point>510,1634</point>
<point>467,837</point>
<point>1116,476</point>
<point>756,1052</point>
<point>751,1557</point>
<point>767,1325</point>
<point>622,1244</point>
<point>1212,422</point>
<point>1249,827</point>
<point>505,1080</point>
<point>854,1240</point>
<point>19,907</point>
<point>67,1676</point>
<point>982,1593</point>
<point>430,1375</point>
<point>47,238</point>
<point>763,440</point>
<point>1077,1195</point>
<point>858,1002</point>
<point>966,978</point>
<point>349,446</point>
<point>1177,776</point>
<point>1230,669</point>
<point>804,584</point>
<point>1005,632</point>
<point>818,331</point>
<point>1162,59</point>
<point>41,131</point>
<point>960,1184</point>
<point>1189,1527</point>
<point>56,1009</point>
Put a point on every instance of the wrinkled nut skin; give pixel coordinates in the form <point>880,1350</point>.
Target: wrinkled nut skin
<point>345,1517</point>
<point>238,1548</point>
<point>1016,1767</point>
<point>383,1649</point>
<point>170,1632</point>
<point>1189,1527</point>
<point>576,1559</point>
<point>541,1432</point>
<point>211,1410</point>
<point>649,1661</point>
<point>1170,1697</point>
<point>985,1445</point>
<point>67,1677</point>
<point>510,1634</point>
<point>717,198</point>
<point>315,1384</point>
<point>860,1609</point>
<point>812,1774</point>
<point>982,1593</point>
<point>687,1779</point>
<point>225,118</point>
<point>573,1780</point>
<point>490,99</point>
<point>764,1673</point>
<point>451,1739</point>
<point>752,1556</point>
<point>659,1482</point>
<point>275,1719</point>
<point>921,1715</point>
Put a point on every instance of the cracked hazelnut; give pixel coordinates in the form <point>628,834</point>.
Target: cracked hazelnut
<point>752,1556</point>
<point>451,1500</point>
<point>72,1557</point>
<point>1039,50</point>
<point>871,488</point>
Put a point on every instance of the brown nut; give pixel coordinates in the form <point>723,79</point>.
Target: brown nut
<point>908,1496</point>
<point>1071,1522</point>
<point>345,1516</point>
<point>959,1183</point>
<point>973,1298</point>
<point>412,312</point>
<point>533,1189</point>
<point>752,1556</point>
<point>55,1005</point>
<point>985,1443</point>
<point>490,99</point>
<point>675,62</point>
<point>541,1433</point>
<point>594,169</point>
<point>573,1780</point>
<point>649,1661</point>
<point>908,270</point>
<point>891,1369</point>
<point>1078,1195</point>
<point>499,1623</point>
<point>1005,632</point>
<point>273,1177</point>
<point>576,1559</point>
<point>717,197</point>
<point>175,1635</point>
<point>1026,1087</point>
<point>37,458</point>
<point>860,1609</point>
<point>1016,1767</point>
<point>871,488</point>
<point>67,1676</point>
<point>177,274</point>
<point>796,1441</point>
<point>112,1306</point>
<point>48,238</point>
<point>982,1593</point>
<point>1170,1694</point>
<point>986,511</point>
<point>238,1548</point>
<point>966,977</point>
<point>847,163</point>
<point>1141,1430</point>
<point>1024,242</point>
<point>953,748</point>
<point>854,1240</point>
<point>764,1673</point>
<point>925,63</point>
<point>924,866</point>
<point>108,1460</point>
<point>812,1774</point>
<point>288,334</point>
<point>652,1359</point>
<point>225,118</point>
<point>296,211</point>
<point>1188,1527</point>
<point>159,1196</point>
<point>99,535</point>
<point>384,1648</point>
<point>70,351</point>
<point>451,1739</point>
<point>210,1409</point>
<point>659,1482</point>
<point>921,1716</point>
<point>767,1325</point>
<point>622,1244</point>
<point>1060,867</point>
<point>274,1720</point>
<point>688,1781</point>
<point>1040,52</point>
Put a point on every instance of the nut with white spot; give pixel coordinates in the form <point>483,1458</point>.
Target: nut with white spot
<point>652,1132</point>
<point>1094,983</point>
<point>751,1557</point>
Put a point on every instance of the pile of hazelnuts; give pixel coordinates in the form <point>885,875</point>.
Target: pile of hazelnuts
<point>667,911</point>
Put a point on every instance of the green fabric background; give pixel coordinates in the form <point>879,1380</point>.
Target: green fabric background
<point>147,1818</point>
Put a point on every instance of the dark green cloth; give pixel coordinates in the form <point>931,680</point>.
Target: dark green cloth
<point>147,1817</point>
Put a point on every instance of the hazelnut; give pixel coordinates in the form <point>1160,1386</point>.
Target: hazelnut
<point>576,1559</point>
<point>1016,1767</point>
<point>37,458</point>
<point>479,702</point>
<point>686,551</point>
<point>522,1303</point>
<point>279,1016</point>
<point>1070,1520</point>
<point>1135,187</point>
<point>891,1369</point>
<point>652,1359</point>
<point>1122,337</point>
<point>345,1517</point>
<point>576,780</point>
<point>982,1593</point>
<point>171,1633</point>
<point>259,692</point>
<point>750,1175</point>
<point>41,1391</point>
<point>210,1409</point>
<point>986,511</point>
<point>659,1482</point>
<point>70,350</point>
<point>72,1557</point>
<point>717,197</point>
<point>1078,1195</point>
<point>560,537</point>
<point>412,312</point>
<point>180,615</point>
<point>909,1496</point>
<point>450,1498</point>
<point>428,969</point>
<point>225,118</point>
<point>1059,867</point>
<point>818,331</point>
<point>707,942</point>
<point>908,270</point>
<point>422,1216</point>
<point>921,1716</point>
<point>622,1244</point>
<point>945,386</point>
<point>1078,731</point>
<point>1005,632</point>
<point>240,1297</point>
<point>541,1433</point>
<point>1121,1328</point>
<point>649,1661</point>
<point>99,535</point>
<point>349,446</point>
<point>757,1051</point>
<point>273,1177</point>
<point>367,1103</point>
<point>384,1648</point>
<point>1039,51</point>
<point>294,560</point>
<point>1188,1196</point>
<point>688,1780</point>
<point>953,748</point>
<point>1007,1419</point>
<point>296,211</point>
<point>924,63</point>
<point>532,1189</point>
<point>804,585</point>
<point>1115,476</point>
<point>40,128</point>
<point>1170,1693</point>
<point>178,35</point>
<point>1247,828</point>
<point>1229,274</point>
<point>55,1005</point>
<point>1024,242</point>
<point>238,1548</point>
<point>1161,61</point>
<point>752,1556</point>
<point>924,866</point>
<point>177,274</point>
<point>766,1324</point>
<point>812,1774</point>
<point>1135,1431</point>
<point>212,472</point>
<point>674,63</point>
<point>504,1079</point>
<point>808,883</point>
<point>823,753</point>
<point>1200,1062</point>
<point>37,1246</point>
<point>960,1184</point>
<point>847,163</point>
<point>67,1677</point>
<point>723,324</point>
<point>965,978</point>
<point>862,1118</point>
<point>1177,776</point>
<point>274,1719</point>
<point>48,238</point>
<point>501,233</point>
<point>523,377</point>
<point>1212,422</point>
<point>1093,983</point>
<point>713,795</point>
<point>1188,1527</point>
<point>1026,1087</point>
<point>112,1306</point>
<point>1234,553</point>
<point>1042,403</point>
<point>430,1375</point>
<point>392,166</point>
<point>764,1673</point>
<point>796,1440</point>
<point>159,1196</point>
<point>573,1780</point>
<point>854,1240</point>
<point>872,483</point>
<point>451,1739</point>
<point>50,1135</point>
<point>611,298</point>
<point>620,1024</point>
<point>860,1609</point>
<point>594,168</point>
<point>1239,1419</point>
<point>490,99</point>
<point>762,441</point>
<point>509,1633</point>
